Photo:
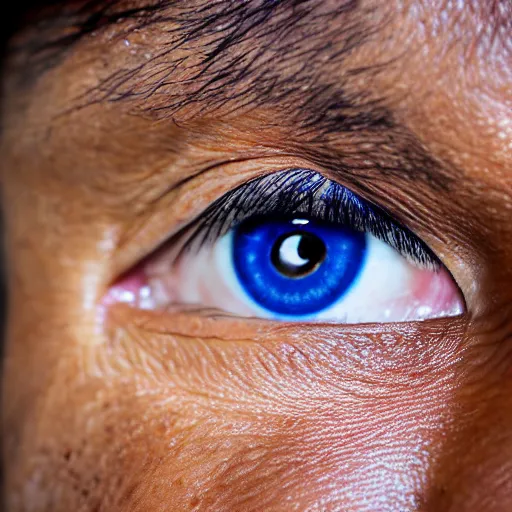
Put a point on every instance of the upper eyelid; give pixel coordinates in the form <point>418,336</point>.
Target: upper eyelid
<point>169,221</point>
<point>237,205</point>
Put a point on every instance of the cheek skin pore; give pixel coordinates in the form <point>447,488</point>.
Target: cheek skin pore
<point>314,417</point>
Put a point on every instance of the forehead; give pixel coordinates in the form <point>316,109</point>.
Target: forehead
<point>323,66</point>
<point>285,27</point>
<point>167,55</point>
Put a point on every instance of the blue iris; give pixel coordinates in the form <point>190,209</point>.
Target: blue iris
<point>296,267</point>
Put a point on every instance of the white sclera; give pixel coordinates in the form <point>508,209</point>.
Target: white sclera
<point>388,288</point>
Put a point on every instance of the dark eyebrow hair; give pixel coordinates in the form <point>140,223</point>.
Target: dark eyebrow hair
<point>255,53</point>
<point>280,55</point>
<point>252,53</point>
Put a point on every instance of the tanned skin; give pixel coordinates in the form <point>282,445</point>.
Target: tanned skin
<point>122,121</point>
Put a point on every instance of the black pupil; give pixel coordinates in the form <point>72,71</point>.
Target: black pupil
<point>298,254</point>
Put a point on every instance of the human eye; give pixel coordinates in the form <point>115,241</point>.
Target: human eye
<point>295,246</point>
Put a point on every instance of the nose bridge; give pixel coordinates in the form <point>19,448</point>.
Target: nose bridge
<point>55,266</point>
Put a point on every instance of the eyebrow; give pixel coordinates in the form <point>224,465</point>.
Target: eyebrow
<point>260,53</point>
<point>249,54</point>
<point>240,56</point>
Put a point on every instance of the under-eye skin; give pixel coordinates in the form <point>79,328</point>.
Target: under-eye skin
<point>295,246</point>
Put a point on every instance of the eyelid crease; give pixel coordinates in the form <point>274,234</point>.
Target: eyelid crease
<point>294,192</point>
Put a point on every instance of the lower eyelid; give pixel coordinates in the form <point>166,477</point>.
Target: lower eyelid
<point>194,324</point>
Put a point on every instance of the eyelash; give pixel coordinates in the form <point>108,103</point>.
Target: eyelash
<point>302,192</point>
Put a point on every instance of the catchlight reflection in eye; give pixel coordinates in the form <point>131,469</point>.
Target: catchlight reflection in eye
<point>284,263</point>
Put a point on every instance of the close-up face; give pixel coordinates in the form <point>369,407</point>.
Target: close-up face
<point>258,256</point>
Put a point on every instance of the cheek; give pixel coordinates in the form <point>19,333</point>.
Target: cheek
<point>194,418</point>
<point>475,470</point>
<point>349,459</point>
<point>228,425</point>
